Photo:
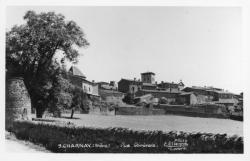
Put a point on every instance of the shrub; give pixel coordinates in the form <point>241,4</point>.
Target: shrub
<point>55,137</point>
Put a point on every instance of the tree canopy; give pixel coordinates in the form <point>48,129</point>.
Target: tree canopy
<point>31,48</point>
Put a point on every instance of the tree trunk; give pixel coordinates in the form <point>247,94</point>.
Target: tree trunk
<point>35,103</point>
<point>39,113</point>
<point>38,105</point>
<point>72,113</point>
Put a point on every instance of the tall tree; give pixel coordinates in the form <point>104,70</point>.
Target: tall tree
<point>61,95</point>
<point>31,47</point>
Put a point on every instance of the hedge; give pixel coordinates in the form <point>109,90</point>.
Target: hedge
<point>120,140</point>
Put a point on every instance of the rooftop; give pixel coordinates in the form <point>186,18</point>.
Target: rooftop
<point>209,89</point>
<point>148,84</point>
<point>157,91</point>
<point>147,73</point>
<point>103,83</point>
<point>168,83</point>
<point>76,72</point>
<point>130,80</point>
<point>186,93</point>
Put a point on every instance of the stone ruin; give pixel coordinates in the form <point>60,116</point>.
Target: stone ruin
<point>18,104</point>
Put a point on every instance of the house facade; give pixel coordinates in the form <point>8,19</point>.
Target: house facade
<point>129,85</point>
<point>148,77</point>
<point>148,85</point>
<point>169,96</point>
<point>79,79</point>
<point>205,95</point>
<point>108,86</point>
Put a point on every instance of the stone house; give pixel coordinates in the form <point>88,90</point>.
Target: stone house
<point>201,92</point>
<point>79,79</point>
<point>170,87</point>
<point>109,86</point>
<point>111,96</point>
<point>129,85</point>
<point>190,98</point>
<point>148,77</point>
<point>148,85</point>
<point>170,96</point>
<point>208,95</point>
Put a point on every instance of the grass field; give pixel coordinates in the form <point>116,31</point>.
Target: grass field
<point>161,122</point>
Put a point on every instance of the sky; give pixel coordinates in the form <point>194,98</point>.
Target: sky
<point>202,46</point>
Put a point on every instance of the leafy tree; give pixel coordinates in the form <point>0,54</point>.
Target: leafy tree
<point>79,98</point>
<point>31,49</point>
<point>129,98</point>
<point>61,95</point>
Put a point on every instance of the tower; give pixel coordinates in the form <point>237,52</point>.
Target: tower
<point>148,77</point>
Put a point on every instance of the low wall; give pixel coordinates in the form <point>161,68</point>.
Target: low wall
<point>71,139</point>
<point>196,111</point>
<point>102,111</point>
<point>138,111</point>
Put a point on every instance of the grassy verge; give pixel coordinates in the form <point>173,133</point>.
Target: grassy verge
<point>120,140</point>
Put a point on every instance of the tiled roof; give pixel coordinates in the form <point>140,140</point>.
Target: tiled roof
<point>148,73</point>
<point>225,101</point>
<point>130,80</point>
<point>169,83</point>
<point>186,93</point>
<point>157,91</point>
<point>148,84</point>
<point>77,72</point>
<point>103,83</point>
<point>220,92</point>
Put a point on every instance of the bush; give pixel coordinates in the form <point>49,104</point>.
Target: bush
<point>163,100</point>
<point>85,139</point>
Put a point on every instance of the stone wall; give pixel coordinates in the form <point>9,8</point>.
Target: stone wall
<point>205,110</point>
<point>18,104</point>
<point>138,111</point>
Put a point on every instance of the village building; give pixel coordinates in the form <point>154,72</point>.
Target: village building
<point>170,87</point>
<point>225,98</point>
<point>148,77</point>
<point>79,79</point>
<point>109,92</point>
<point>148,85</point>
<point>203,95</point>
<point>187,98</point>
<point>111,96</point>
<point>148,81</point>
<point>129,85</point>
<point>109,86</point>
<point>169,96</point>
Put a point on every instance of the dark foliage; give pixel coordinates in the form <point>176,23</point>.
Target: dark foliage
<point>129,98</point>
<point>55,137</point>
<point>32,47</point>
